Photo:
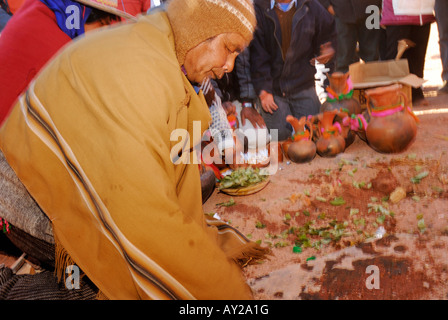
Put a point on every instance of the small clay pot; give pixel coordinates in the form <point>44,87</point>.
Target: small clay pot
<point>302,148</point>
<point>330,147</point>
<point>302,151</point>
<point>285,146</point>
<point>339,86</point>
<point>330,142</point>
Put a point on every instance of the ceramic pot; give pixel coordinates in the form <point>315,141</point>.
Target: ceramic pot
<point>302,149</point>
<point>330,142</point>
<point>340,93</point>
<point>392,125</point>
<point>285,146</point>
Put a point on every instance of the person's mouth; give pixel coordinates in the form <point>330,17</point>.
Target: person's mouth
<point>217,76</point>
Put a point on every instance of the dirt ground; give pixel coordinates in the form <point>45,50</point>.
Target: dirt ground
<point>363,246</point>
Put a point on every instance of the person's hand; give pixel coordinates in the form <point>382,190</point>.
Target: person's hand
<point>267,102</point>
<point>229,108</point>
<point>327,53</point>
<point>331,10</point>
<point>233,155</point>
<point>253,116</point>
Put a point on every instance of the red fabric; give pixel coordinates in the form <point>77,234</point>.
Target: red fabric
<point>14,5</point>
<point>27,43</point>
<point>134,7</point>
<point>389,18</point>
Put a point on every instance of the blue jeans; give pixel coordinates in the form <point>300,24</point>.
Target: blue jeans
<point>303,103</point>
<point>4,18</point>
<point>441,9</point>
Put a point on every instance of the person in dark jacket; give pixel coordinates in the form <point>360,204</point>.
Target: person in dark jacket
<point>354,27</point>
<point>290,37</point>
<point>441,11</point>
<point>239,99</point>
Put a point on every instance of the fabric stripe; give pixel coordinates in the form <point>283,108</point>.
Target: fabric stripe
<point>96,207</point>
<point>235,12</point>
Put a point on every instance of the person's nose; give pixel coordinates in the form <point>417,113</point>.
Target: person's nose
<point>230,63</point>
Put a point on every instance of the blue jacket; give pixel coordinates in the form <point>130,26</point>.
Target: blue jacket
<point>313,26</point>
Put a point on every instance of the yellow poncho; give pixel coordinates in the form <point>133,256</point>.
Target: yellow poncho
<point>92,146</point>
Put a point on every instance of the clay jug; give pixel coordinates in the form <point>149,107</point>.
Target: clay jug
<point>392,126</point>
<point>340,94</point>
<point>330,142</point>
<point>302,149</point>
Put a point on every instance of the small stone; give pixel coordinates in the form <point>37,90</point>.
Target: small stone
<point>397,195</point>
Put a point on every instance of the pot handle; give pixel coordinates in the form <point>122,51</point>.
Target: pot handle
<point>368,105</point>
<point>310,126</point>
<point>405,101</point>
<point>408,108</point>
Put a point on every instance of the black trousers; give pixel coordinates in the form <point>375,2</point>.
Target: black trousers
<point>349,34</point>
<point>415,55</point>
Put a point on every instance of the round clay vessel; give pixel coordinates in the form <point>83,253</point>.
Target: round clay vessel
<point>339,86</point>
<point>302,151</point>
<point>392,125</point>
<point>330,142</point>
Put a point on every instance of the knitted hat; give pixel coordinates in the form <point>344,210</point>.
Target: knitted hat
<point>194,21</point>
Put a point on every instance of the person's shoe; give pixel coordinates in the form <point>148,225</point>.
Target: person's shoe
<point>443,90</point>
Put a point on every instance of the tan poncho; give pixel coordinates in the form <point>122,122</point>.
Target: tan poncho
<point>92,146</point>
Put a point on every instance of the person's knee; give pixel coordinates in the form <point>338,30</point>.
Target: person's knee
<point>282,132</point>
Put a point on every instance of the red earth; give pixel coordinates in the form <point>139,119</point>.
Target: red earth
<point>369,244</point>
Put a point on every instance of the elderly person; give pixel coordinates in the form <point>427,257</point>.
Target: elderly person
<point>95,141</point>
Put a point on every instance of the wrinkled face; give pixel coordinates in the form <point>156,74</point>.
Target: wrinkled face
<point>213,57</point>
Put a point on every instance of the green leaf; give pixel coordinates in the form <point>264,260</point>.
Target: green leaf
<point>337,201</point>
<point>421,225</point>
<point>381,219</point>
<point>259,225</point>
<point>321,199</point>
<point>296,249</point>
<point>229,203</point>
<point>419,177</point>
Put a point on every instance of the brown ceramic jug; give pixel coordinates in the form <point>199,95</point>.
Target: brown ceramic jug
<point>392,126</point>
<point>330,142</point>
<point>340,95</point>
<point>301,149</point>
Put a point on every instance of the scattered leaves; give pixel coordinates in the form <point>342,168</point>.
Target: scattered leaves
<point>416,179</point>
<point>229,203</point>
<point>337,201</point>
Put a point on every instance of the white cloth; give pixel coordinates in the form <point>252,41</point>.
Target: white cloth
<point>413,7</point>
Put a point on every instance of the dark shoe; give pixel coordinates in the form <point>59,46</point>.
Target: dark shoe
<point>208,181</point>
<point>443,90</point>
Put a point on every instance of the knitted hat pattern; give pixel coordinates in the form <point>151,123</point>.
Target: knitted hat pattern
<point>194,21</point>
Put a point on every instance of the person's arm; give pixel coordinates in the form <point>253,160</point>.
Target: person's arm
<point>247,91</point>
<point>260,65</point>
<point>325,41</point>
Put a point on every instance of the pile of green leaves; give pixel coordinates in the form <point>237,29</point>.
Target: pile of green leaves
<point>332,232</point>
<point>242,177</point>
